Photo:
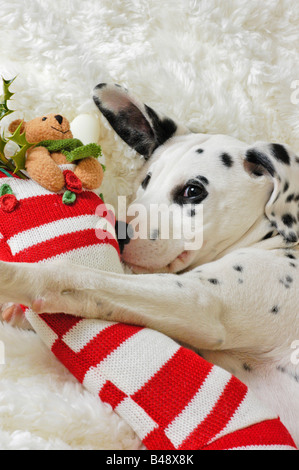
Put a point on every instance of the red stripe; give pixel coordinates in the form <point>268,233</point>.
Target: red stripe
<point>95,351</point>
<point>102,211</point>
<point>5,251</point>
<point>266,433</point>
<point>61,245</point>
<point>60,323</point>
<point>112,394</point>
<point>40,210</point>
<point>173,386</point>
<point>226,406</point>
<point>157,440</point>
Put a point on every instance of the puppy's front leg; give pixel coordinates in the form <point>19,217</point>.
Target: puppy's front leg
<point>167,303</point>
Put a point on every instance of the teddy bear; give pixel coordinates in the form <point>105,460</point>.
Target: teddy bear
<point>54,144</point>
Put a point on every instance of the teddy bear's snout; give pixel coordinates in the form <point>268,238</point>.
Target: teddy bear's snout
<point>59,118</point>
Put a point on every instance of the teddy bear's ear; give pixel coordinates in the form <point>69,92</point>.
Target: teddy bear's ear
<point>15,124</point>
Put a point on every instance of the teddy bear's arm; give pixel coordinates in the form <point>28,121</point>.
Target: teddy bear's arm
<point>90,172</point>
<point>42,169</point>
<point>59,158</point>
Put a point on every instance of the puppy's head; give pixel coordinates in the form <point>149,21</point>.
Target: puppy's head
<point>199,195</point>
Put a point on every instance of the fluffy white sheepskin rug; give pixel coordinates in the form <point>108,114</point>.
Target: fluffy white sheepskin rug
<point>218,66</point>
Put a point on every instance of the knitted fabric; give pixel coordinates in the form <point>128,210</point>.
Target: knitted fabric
<point>171,397</point>
<point>73,149</point>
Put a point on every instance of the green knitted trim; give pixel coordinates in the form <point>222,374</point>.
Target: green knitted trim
<point>60,145</point>
<point>73,149</point>
<point>5,189</point>
<point>69,198</point>
<point>86,151</point>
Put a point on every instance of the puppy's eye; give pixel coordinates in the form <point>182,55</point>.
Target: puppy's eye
<point>146,181</point>
<point>192,193</point>
<point>44,119</point>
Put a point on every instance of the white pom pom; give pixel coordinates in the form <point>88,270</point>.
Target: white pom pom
<point>86,127</point>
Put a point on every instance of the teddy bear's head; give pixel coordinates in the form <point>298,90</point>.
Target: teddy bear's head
<point>48,127</point>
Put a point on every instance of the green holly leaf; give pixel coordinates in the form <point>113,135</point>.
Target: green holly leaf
<point>19,157</point>
<point>5,97</point>
<point>3,142</point>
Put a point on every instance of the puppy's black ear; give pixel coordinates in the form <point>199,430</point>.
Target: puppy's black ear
<point>137,124</point>
<point>280,164</point>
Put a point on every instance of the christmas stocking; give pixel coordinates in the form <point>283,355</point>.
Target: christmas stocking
<point>171,397</point>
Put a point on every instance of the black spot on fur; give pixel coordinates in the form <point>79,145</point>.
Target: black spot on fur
<point>279,152</point>
<point>164,128</point>
<point>288,220</point>
<point>203,179</point>
<point>200,151</point>
<point>269,235</point>
<point>238,268</point>
<point>179,284</point>
<point>247,367</point>
<point>146,181</point>
<point>290,374</point>
<point>286,281</point>
<point>261,161</point>
<point>291,238</point>
<point>286,187</point>
<point>290,256</point>
<point>290,198</point>
<point>226,160</point>
<point>100,86</point>
<point>275,309</point>
<point>214,281</point>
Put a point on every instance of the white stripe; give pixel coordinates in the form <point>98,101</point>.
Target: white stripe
<point>265,447</point>
<point>250,412</point>
<point>101,256</point>
<point>136,417</point>
<point>24,189</point>
<point>31,237</point>
<point>104,224</point>
<point>42,329</point>
<point>94,381</point>
<point>199,407</point>
<point>142,355</point>
<point>83,332</point>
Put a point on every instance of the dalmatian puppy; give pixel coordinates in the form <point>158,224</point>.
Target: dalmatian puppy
<point>235,298</point>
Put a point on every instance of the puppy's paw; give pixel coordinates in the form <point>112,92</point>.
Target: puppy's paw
<point>14,315</point>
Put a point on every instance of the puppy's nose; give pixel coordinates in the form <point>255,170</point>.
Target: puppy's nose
<point>124,234</point>
<point>59,118</point>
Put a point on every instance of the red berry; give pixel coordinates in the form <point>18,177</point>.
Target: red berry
<point>72,182</point>
<point>8,202</point>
